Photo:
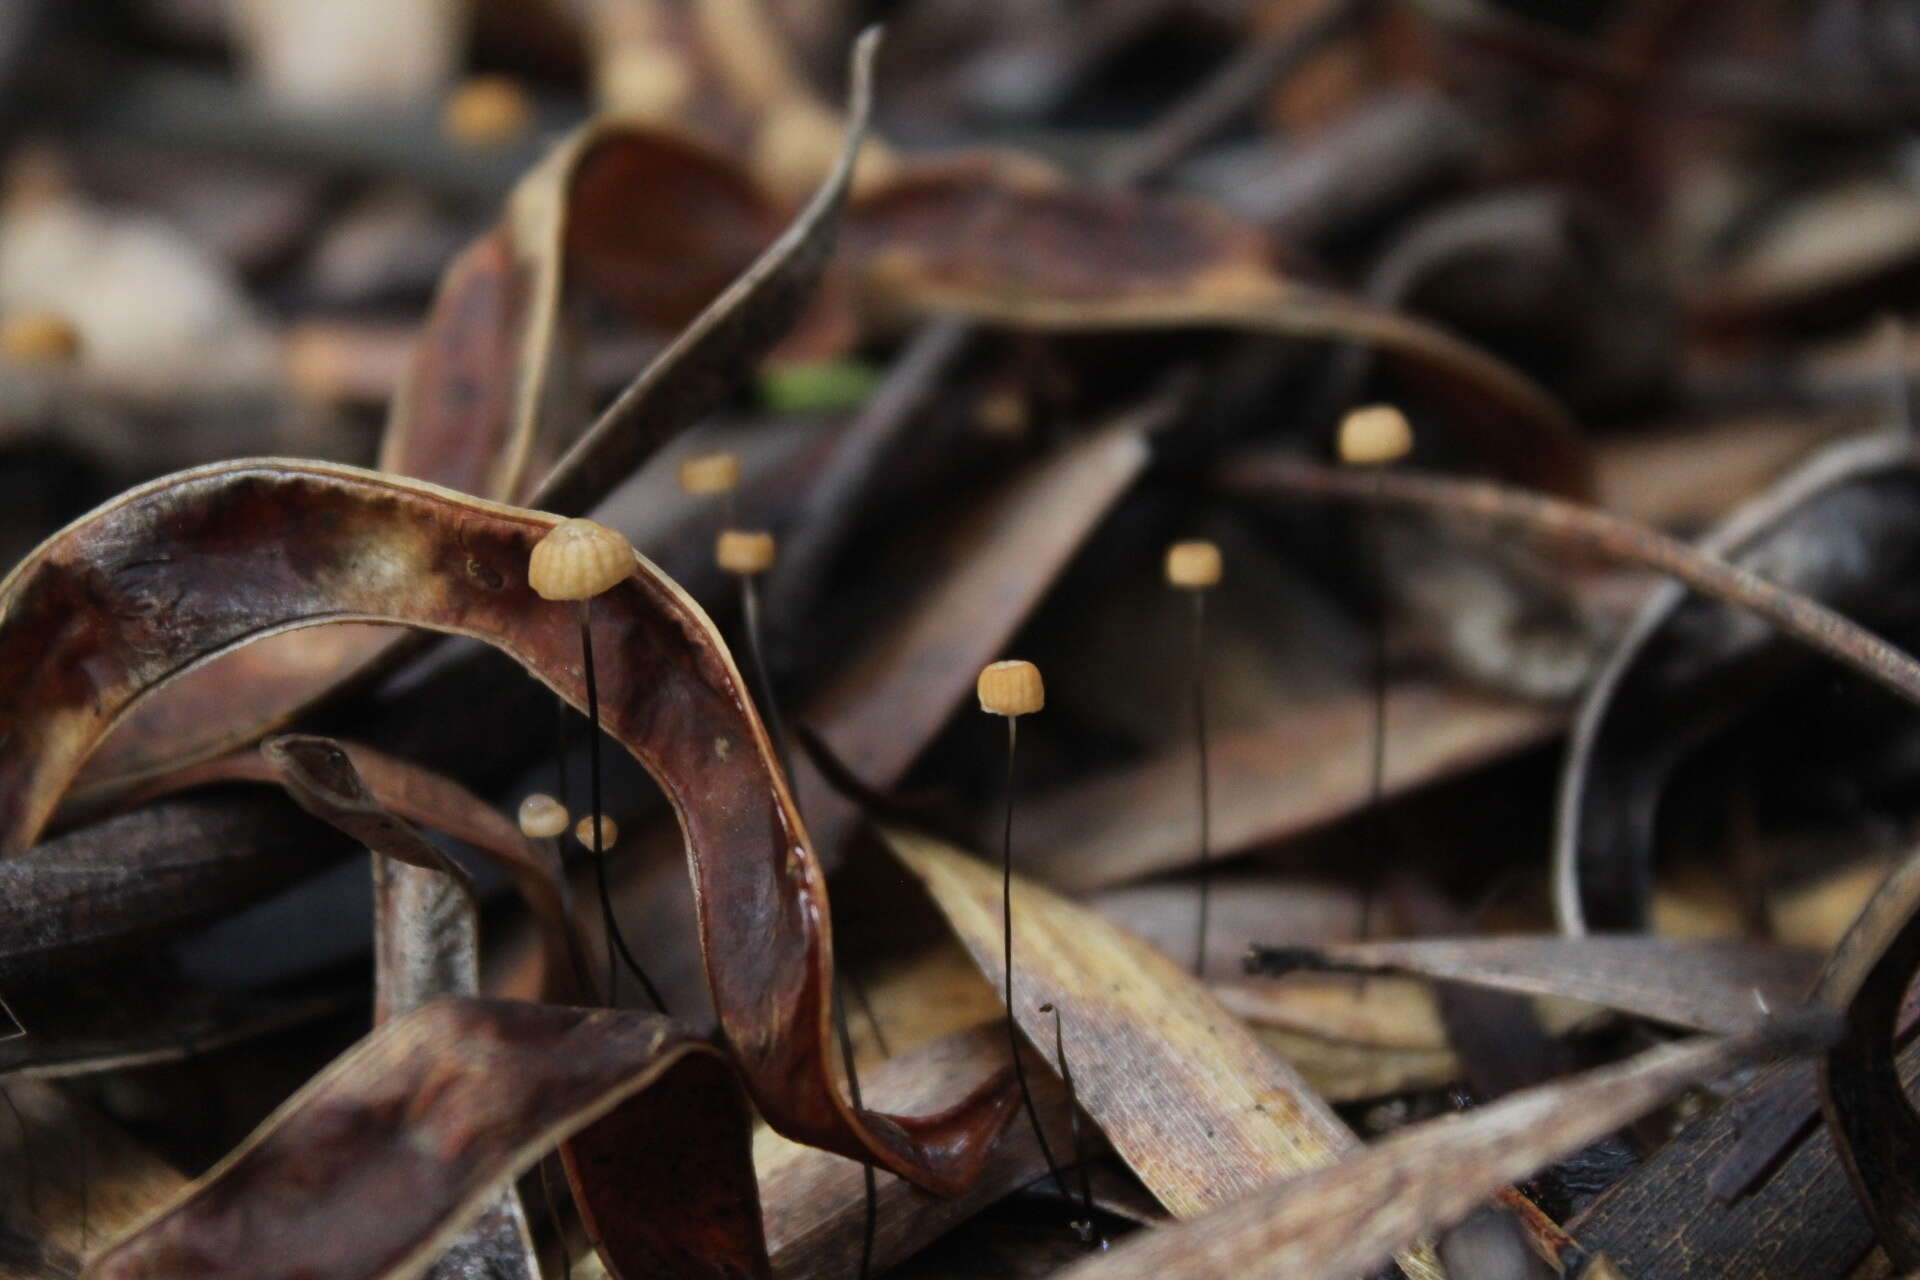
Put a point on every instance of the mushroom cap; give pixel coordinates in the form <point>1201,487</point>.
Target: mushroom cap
<point>705,474</point>
<point>578,560</point>
<point>542,817</point>
<point>487,111</point>
<point>38,337</point>
<point>1194,565</point>
<point>1011,688</point>
<point>745,551</point>
<point>609,831</point>
<point>1374,434</point>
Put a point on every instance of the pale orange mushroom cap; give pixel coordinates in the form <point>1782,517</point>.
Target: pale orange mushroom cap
<point>705,474</point>
<point>578,560</point>
<point>487,111</point>
<point>38,337</point>
<point>1194,565</point>
<point>542,817</point>
<point>1011,688</point>
<point>745,551</point>
<point>1374,434</point>
<point>609,832</point>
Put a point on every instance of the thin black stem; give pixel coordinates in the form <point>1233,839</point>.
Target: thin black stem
<point>757,655</point>
<point>777,729</point>
<point>1085,1226</point>
<point>1205,780</point>
<point>610,925</point>
<point>1371,831</point>
<point>872,1186</point>
<point>1006,959</point>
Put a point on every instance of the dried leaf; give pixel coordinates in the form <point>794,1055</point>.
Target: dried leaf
<point>426,944</point>
<point>894,697</point>
<point>1345,1220</point>
<point>145,876</point>
<point>1805,532</point>
<point>1868,1110</point>
<point>73,1182</point>
<point>168,574</point>
<point>1268,784</point>
<point>815,1203</point>
<point>1804,1221</point>
<point>412,1131</point>
<point>1192,1102</point>
<point>1721,987</point>
<point>476,412</point>
<point>992,239</point>
<point>409,791</point>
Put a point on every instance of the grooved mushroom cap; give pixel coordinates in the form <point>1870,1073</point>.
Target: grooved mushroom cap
<point>38,337</point>
<point>487,111</point>
<point>710,473</point>
<point>1373,434</point>
<point>609,831</point>
<point>1193,565</point>
<point>578,560</point>
<point>745,551</point>
<point>1011,688</point>
<point>542,817</point>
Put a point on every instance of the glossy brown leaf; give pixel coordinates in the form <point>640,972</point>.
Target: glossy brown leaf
<point>378,1161</point>
<point>190,566</point>
<point>1187,1097</point>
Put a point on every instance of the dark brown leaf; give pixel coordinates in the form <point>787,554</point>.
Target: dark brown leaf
<point>1347,1219</point>
<point>168,574</point>
<point>372,1167</point>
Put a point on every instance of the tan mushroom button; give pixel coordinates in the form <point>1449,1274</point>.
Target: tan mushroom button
<point>1194,566</point>
<point>1374,434</point>
<point>1011,688</point>
<point>578,560</point>
<point>542,817</point>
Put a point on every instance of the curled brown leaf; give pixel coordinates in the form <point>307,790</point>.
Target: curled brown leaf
<point>407,1137</point>
<point>172,573</point>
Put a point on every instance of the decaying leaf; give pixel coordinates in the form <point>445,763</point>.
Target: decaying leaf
<point>1343,1220</point>
<point>1830,528</point>
<point>1721,987</point>
<point>416,794</point>
<point>476,412</point>
<point>1187,1097</point>
<point>74,1181</point>
<point>880,714</point>
<point>1269,784</point>
<point>1866,1103</point>
<point>412,1131</point>
<point>177,571</point>
<point>426,944</point>
<point>814,1202</point>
